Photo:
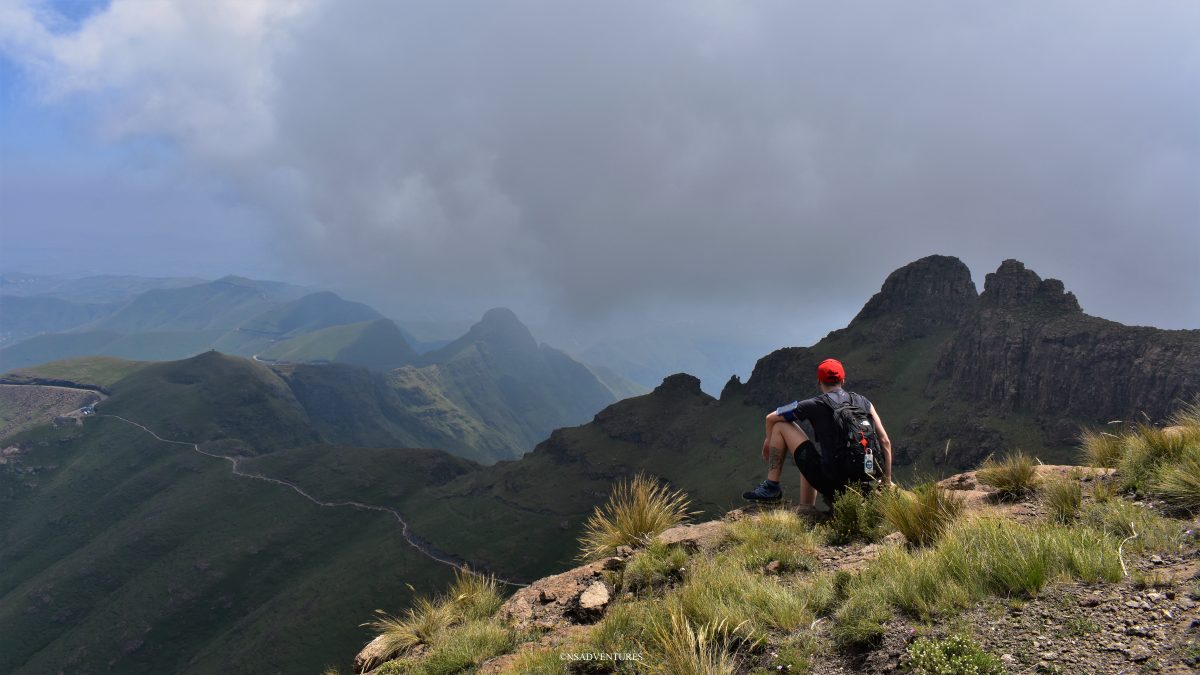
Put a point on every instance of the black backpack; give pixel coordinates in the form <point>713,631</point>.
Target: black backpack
<point>856,428</point>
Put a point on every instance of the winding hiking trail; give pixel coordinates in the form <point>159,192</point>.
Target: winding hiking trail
<point>421,547</point>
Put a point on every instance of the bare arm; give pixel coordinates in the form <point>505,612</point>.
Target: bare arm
<point>885,442</point>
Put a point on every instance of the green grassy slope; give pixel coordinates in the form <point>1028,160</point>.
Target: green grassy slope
<point>500,374</point>
<point>620,386</point>
<point>311,312</point>
<point>93,371</point>
<point>123,554</point>
<point>377,344</point>
<point>212,396</point>
<point>149,346</point>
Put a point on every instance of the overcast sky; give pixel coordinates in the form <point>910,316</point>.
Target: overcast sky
<point>753,168</point>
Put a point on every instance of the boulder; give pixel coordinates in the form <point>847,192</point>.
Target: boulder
<point>554,601</point>
<point>592,603</point>
<point>371,656</point>
<point>699,537</point>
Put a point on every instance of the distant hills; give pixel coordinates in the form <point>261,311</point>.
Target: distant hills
<point>378,344</point>
<point>490,395</point>
<point>168,319</point>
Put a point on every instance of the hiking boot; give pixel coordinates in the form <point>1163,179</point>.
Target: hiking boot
<point>765,492</point>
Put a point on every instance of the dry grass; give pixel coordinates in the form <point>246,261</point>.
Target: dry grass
<point>721,590</point>
<point>422,624</point>
<point>677,647</point>
<point>1015,476</point>
<point>1062,498</point>
<point>923,514</point>
<point>776,535</point>
<point>855,517</point>
<point>1178,483</point>
<point>536,663</point>
<point>1101,449</point>
<point>636,511</point>
<point>654,567</point>
<point>474,596</point>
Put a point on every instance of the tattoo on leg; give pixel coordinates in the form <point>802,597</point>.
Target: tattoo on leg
<point>777,458</point>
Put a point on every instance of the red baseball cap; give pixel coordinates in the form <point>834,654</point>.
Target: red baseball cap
<point>831,372</point>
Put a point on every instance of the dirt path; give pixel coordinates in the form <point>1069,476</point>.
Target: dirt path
<point>405,531</point>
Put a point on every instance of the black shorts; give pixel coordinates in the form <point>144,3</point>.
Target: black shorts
<point>819,474</point>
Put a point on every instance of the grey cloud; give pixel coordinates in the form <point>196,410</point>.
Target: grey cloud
<point>724,152</point>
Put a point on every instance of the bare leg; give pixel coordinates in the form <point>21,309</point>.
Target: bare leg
<point>785,438</point>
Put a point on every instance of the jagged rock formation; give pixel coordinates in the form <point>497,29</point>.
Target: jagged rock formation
<point>1030,348</point>
<point>922,297</point>
<point>922,300</point>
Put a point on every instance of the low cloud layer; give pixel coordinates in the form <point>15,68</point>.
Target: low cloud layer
<point>770,162</point>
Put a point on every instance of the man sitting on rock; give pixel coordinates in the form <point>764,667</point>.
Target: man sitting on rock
<point>852,448</point>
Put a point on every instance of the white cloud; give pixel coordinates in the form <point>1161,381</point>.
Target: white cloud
<point>199,73</point>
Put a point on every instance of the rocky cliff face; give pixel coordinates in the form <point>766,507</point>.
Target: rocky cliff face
<point>1029,348</point>
<point>922,300</point>
<point>918,299</point>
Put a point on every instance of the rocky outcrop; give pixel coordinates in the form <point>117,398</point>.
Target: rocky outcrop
<point>704,536</point>
<point>928,297</point>
<point>577,596</point>
<point>1029,348</point>
<point>932,293</point>
<point>664,418</point>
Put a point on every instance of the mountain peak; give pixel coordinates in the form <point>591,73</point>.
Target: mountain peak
<point>679,383</point>
<point>928,293</point>
<point>500,316</point>
<point>501,331</point>
<point>500,324</point>
<point>1014,286</point>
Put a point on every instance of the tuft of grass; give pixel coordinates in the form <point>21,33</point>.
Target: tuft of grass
<point>466,646</point>
<point>677,646</point>
<point>1144,580</point>
<point>470,599</point>
<point>855,516</point>
<point>1178,483</point>
<point>718,592</point>
<point>1101,449</point>
<point>955,654</point>
<point>1188,416</point>
<point>654,567</point>
<point>1105,489</point>
<point>1063,497</point>
<point>636,510</point>
<point>1148,448</point>
<point>1081,625</point>
<point>923,514</point>
<point>776,535</point>
<point>1015,477</point>
<point>859,622</point>
<point>422,624</point>
<point>474,596</point>
<point>1121,519</point>
<point>536,663</point>
<point>625,624</point>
